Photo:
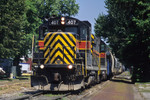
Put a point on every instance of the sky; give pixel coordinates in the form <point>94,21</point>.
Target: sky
<point>90,9</point>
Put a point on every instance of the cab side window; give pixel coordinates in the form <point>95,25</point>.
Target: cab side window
<point>83,33</point>
<point>102,48</point>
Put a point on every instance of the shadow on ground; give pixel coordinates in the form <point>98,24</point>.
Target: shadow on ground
<point>52,92</point>
<point>22,78</point>
<point>122,80</point>
<point>5,79</point>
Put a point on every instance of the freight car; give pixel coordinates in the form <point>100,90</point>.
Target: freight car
<point>110,65</point>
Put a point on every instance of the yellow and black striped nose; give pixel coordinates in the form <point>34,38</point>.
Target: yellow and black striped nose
<point>59,48</point>
<point>92,40</point>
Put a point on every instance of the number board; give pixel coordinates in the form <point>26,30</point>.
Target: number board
<point>54,22</point>
<point>67,22</point>
<point>71,22</point>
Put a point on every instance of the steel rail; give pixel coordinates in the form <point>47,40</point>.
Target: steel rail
<point>30,96</point>
<point>61,97</point>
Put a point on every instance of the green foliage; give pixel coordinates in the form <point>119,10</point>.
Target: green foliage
<point>56,7</point>
<point>20,20</point>
<point>31,16</point>
<point>37,10</point>
<point>67,7</point>
<point>126,28</point>
<point>11,25</point>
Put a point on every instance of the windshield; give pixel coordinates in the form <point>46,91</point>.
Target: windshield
<point>71,29</point>
<point>64,29</point>
<point>44,30</point>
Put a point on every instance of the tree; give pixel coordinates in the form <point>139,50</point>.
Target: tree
<point>37,10</point>
<point>68,7</point>
<point>20,19</point>
<point>126,28</point>
<point>57,7</point>
<point>11,29</point>
<point>11,25</point>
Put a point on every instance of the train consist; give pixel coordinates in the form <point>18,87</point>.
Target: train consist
<point>69,57</point>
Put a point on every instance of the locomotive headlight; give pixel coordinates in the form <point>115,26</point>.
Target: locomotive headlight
<point>62,20</point>
<point>41,66</point>
<point>70,66</point>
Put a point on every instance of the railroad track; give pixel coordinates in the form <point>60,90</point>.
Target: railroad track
<point>29,97</point>
<point>61,97</point>
<point>84,95</point>
<point>40,93</point>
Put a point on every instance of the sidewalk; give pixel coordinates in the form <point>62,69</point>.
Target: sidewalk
<point>119,88</point>
<point>142,88</point>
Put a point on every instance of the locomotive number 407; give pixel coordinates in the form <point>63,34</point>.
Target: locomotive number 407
<point>71,22</point>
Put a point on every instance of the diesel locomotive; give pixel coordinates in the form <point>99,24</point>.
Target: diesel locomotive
<point>67,56</point>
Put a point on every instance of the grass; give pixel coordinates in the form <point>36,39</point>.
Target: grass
<point>142,83</point>
<point>56,95</point>
<point>11,85</point>
<point>50,95</point>
<point>15,79</point>
<point>144,90</point>
<point>21,94</point>
<point>145,86</point>
<point>23,76</point>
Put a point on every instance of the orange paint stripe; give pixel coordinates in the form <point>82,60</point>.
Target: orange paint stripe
<point>41,44</point>
<point>94,51</point>
<point>102,55</point>
<point>81,45</point>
